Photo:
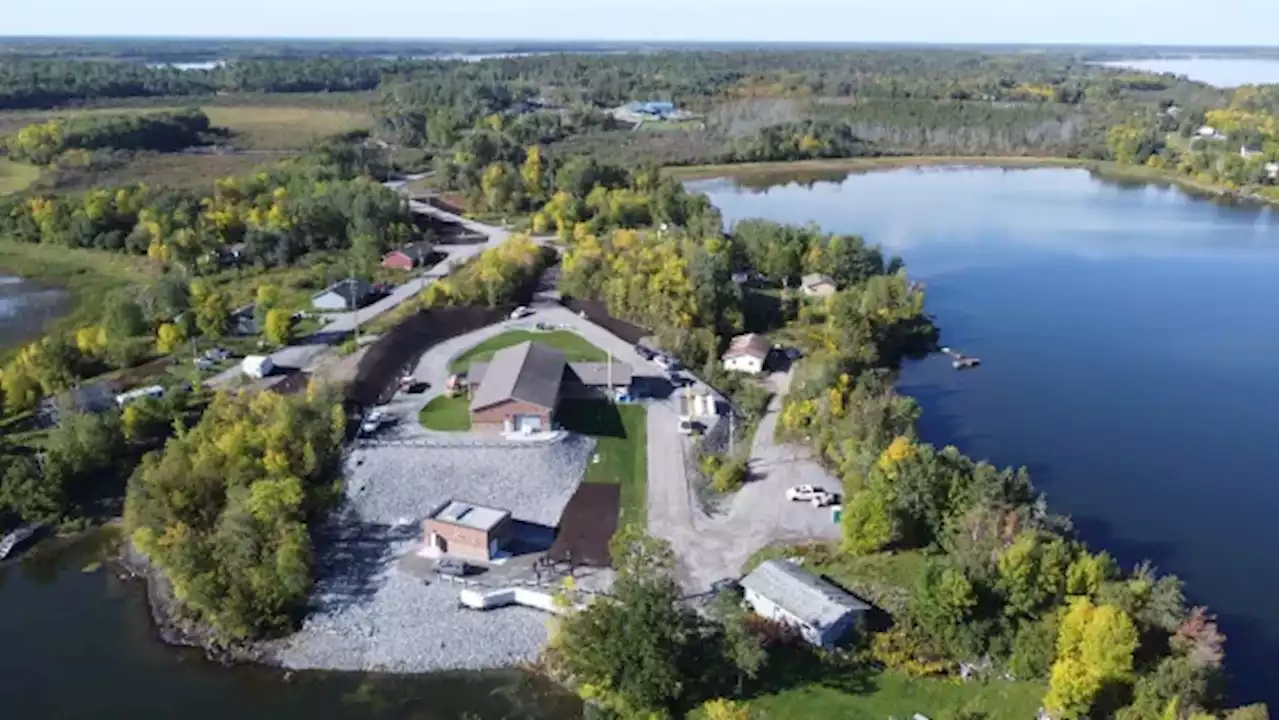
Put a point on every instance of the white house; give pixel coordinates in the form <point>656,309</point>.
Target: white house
<point>746,353</point>
<point>815,285</point>
<point>785,593</point>
<point>346,294</point>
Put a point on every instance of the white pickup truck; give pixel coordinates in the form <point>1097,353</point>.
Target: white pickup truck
<point>813,495</point>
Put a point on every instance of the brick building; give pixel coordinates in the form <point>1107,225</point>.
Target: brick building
<point>467,531</point>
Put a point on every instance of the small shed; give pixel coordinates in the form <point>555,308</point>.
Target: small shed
<point>747,353</point>
<point>347,294</point>
<point>786,593</point>
<point>409,257</point>
<point>467,531</point>
<point>818,285</point>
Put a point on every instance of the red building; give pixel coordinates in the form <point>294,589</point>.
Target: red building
<point>409,257</point>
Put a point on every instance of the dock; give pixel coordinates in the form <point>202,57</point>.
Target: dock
<point>15,538</point>
<point>959,360</point>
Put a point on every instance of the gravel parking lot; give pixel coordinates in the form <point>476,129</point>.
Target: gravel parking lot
<point>367,615</point>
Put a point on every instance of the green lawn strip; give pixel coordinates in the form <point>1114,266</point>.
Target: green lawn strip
<point>620,454</point>
<point>891,694</point>
<point>575,348</point>
<point>15,176</point>
<point>449,414</point>
<point>885,579</point>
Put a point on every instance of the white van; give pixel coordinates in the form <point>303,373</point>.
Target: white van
<point>257,366</point>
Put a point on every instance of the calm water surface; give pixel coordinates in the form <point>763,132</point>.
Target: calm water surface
<point>1223,72</point>
<point>26,306</point>
<point>1129,359</point>
<point>78,644</point>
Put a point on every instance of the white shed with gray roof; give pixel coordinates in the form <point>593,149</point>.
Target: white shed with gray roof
<point>788,594</point>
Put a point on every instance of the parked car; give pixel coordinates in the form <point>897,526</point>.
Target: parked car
<point>203,364</point>
<point>804,493</point>
<point>520,312</point>
<point>217,354</point>
<point>823,499</point>
<point>665,362</point>
<point>687,426</point>
<point>372,422</point>
<point>452,567</point>
<point>645,352</point>
<point>622,395</point>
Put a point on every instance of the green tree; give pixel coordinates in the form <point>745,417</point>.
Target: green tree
<point>1032,573</point>
<point>213,311</point>
<point>266,299</point>
<point>629,653</point>
<point>28,493</point>
<point>278,328</point>
<point>866,523</point>
<point>743,648</point>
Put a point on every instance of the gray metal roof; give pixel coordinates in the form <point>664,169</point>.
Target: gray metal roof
<point>598,374</point>
<point>814,601</point>
<point>527,372</point>
<point>813,279</point>
<point>465,514</point>
<point>750,345</point>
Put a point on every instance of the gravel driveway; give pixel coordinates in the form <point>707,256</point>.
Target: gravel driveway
<point>709,548</point>
<point>367,615</point>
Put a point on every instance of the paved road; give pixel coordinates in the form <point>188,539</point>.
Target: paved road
<point>303,354</point>
<point>710,548</point>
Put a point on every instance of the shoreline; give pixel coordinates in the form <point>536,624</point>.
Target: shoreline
<point>1103,169</point>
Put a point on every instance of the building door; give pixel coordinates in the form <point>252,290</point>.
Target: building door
<point>528,423</point>
<point>441,544</point>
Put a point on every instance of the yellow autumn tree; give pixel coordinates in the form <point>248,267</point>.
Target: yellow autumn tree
<point>724,709</point>
<point>168,338</point>
<point>1095,647</point>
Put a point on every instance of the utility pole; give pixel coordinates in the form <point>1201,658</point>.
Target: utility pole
<point>731,432</point>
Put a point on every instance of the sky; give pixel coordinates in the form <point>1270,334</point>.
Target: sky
<point>1155,22</point>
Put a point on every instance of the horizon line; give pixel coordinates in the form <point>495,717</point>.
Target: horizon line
<point>634,41</point>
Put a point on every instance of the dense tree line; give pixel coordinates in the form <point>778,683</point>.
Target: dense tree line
<point>43,143</point>
<point>1005,582</point>
<point>38,83</point>
<point>279,214</point>
<point>782,253</point>
<point>678,284</point>
<point>223,510</point>
<point>497,276</point>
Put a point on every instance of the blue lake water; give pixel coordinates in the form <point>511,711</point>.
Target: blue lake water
<point>1128,359</point>
<point>1223,72</point>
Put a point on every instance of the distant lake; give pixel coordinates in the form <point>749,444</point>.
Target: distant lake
<point>1223,72</point>
<point>26,306</point>
<point>1128,359</point>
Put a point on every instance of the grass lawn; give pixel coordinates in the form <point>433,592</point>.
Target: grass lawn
<point>15,176</point>
<point>894,695</point>
<point>621,449</point>
<point>574,347</point>
<point>285,128</point>
<point>446,413</point>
